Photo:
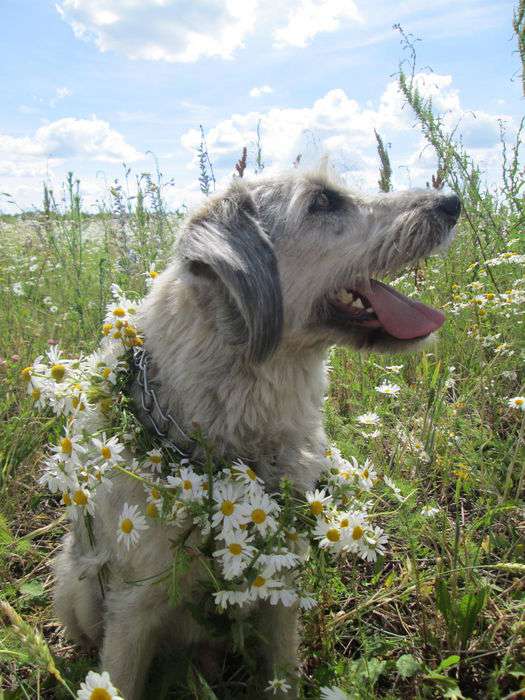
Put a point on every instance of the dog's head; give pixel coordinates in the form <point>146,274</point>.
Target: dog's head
<point>296,259</point>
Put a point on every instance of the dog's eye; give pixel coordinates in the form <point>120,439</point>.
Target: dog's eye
<point>325,201</point>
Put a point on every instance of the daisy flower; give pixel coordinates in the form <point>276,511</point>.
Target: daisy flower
<point>262,583</point>
<point>225,598</point>
<point>329,534</point>
<point>368,419</point>
<point>278,684</point>
<point>353,527</point>
<point>372,544</point>
<point>246,475</point>
<point>109,450</point>
<point>260,511</point>
<point>98,686</point>
<point>154,461</point>
<point>285,596</point>
<point>279,559</point>
<point>54,477</point>
<point>69,448</point>
<point>388,389</point>
<point>318,500</point>
<point>429,511</point>
<point>517,402</point>
<point>307,601</point>
<point>367,476</point>
<point>229,507</point>
<point>189,483</point>
<point>236,555</point>
<point>391,485</point>
<point>130,525</point>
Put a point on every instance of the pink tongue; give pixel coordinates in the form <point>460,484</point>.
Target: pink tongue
<point>400,316</point>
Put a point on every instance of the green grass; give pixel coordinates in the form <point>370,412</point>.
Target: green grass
<point>442,614</point>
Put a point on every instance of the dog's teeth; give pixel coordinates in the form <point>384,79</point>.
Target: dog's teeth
<point>359,304</point>
<point>370,310</point>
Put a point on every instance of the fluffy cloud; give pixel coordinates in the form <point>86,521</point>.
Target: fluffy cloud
<point>340,126</point>
<point>162,30</point>
<point>262,90</point>
<point>63,139</point>
<point>309,17</point>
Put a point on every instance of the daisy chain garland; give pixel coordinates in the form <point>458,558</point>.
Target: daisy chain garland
<point>256,542</point>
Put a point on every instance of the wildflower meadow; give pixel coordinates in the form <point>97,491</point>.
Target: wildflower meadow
<point>410,574</point>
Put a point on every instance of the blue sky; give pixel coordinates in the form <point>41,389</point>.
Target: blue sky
<point>90,84</point>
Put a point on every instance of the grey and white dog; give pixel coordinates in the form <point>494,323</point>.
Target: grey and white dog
<point>267,276</point>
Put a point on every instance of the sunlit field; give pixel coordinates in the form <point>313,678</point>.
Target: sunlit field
<point>440,614</point>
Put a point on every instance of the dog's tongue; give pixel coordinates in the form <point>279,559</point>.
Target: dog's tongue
<point>400,316</point>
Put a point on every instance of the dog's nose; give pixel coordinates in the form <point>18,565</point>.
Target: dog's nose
<point>451,206</point>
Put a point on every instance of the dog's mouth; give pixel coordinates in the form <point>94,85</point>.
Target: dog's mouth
<point>375,305</point>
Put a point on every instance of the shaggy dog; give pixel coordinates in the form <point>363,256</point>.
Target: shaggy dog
<point>267,276</point>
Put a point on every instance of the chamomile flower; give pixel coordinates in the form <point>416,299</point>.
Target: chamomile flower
<point>391,485</point>
<point>368,419</point>
<point>109,449</point>
<point>278,685</point>
<point>246,475</point>
<point>229,511</point>
<point>261,511</point>
<point>318,500</point>
<point>69,448</point>
<point>307,601</point>
<point>55,477</point>
<point>262,584</point>
<point>388,389</point>
<point>517,402</point>
<point>236,555</point>
<point>189,483</point>
<point>353,526</point>
<point>284,596</point>
<point>98,686</point>
<point>372,544</point>
<point>279,559</point>
<point>154,461</point>
<point>367,475</point>
<point>224,598</point>
<point>347,470</point>
<point>429,511</point>
<point>130,525</point>
<point>329,534</point>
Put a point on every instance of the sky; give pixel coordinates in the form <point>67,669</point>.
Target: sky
<point>90,85</point>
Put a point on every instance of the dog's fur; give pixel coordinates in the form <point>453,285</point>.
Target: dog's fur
<point>238,328</point>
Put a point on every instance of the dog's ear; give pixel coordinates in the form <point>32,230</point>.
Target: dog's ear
<point>226,241</point>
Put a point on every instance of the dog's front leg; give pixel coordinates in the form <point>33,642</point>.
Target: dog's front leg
<point>134,623</point>
<point>278,629</point>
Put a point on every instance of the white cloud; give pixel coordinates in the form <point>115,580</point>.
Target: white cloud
<point>162,30</point>
<point>310,17</point>
<point>262,90</point>
<point>342,127</point>
<point>63,139</point>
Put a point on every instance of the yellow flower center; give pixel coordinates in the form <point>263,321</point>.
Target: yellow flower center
<point>36,393</point>
<point>259,581</point>
<point>519,402</point>
<point>344,522</point>
<point>344,475</point>
<point>126,526</point>
<point>99,694</point>
<point>292,536</point>
<point>153,274</point>
<point>152,510</point>
<point>155,459</point>
<point>117,334</point>
<point>186,485</point>
<point>489,296</point>
<point>57,372</point>
<point>365,474</point>
<point>130,331</point>
<point>227,507</point>
<point>106,328</point>
<point>258,516</point>
<point>80,498</point>
<point>235,549</point>
<point>316,507</point>
<point>251,474</point>
<point>333,535</point>
<point>119,324</point>
<point>357,532</point>
<point>26,373</point>
<point>106,372</point>
<point>66,445</point>
<point>66,499</point>
<point>155,493</point>
<point>105,452</point>
<point>119,311</point>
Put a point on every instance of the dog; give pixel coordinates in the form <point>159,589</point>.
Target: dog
<point>266,278</point>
